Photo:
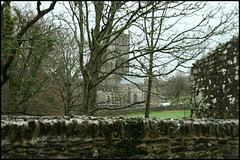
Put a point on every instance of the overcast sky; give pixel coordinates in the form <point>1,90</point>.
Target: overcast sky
<point>59,8</point>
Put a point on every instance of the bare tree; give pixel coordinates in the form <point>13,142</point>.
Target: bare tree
<point>165,42</point>
<point>93,26</point>
<point>169,44</point>
<point>98,33</point>
<point>177,86</point>
<point>64,68</point>
<point>150,69</point>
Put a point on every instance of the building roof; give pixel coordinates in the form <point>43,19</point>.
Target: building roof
<point>129,79</point>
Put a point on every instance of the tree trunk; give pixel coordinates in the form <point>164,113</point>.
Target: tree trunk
<point>67,109</point>
<point>86,96</point>
<point>150,70</point>
<point>149,86</point>
<point>89,96</point>
<point>90,85</point>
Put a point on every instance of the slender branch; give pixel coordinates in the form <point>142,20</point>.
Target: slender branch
<point>23,113</point>
<point>118,108</point>
<point>19,36</point>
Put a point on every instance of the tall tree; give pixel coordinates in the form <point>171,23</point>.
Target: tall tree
<point>64,69</point>
<point>12,40</point>
<point>150,69</point>
<point>169,44</point>
<point>26,73</point>
<point>107,17</point>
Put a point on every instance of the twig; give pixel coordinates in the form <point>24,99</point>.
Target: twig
<point>118,108</point>
<point>23,113</point>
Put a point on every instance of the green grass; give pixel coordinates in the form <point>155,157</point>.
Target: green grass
<point>183,99</point>
<point>164,114</point>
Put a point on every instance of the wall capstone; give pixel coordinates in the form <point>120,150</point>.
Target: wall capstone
<point>118,137</point>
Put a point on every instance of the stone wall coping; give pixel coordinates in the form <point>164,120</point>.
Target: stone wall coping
<point>54,118</point>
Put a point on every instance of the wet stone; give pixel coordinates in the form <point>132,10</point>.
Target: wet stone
<point>70,154</point>
<point>190,147</point>
<point>201,140</point>
<point>74,149</point>
<point>177,149</point>
<point>175,143</point>
<point>203,154</point>
<point>222,141</point>
<point>121,138</point>
<point>20,150</point>
<point>160,149</point>
<point>6,148</point>
<point>51,152</point>
<point>200,147</point>
<point>234,143</point>
<point>189,154</point>
<point>15,155</point>
<point>32,151</point>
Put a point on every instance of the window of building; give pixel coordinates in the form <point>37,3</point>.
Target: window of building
<point>134,98</point>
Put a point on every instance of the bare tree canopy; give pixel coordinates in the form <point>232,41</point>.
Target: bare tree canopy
<point>87,54</point>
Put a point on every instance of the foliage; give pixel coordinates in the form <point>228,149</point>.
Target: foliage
<point>11,44</point>
<point>178,86</point>
<point>26,45</point>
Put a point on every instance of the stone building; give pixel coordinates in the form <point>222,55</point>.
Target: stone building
<point>115,54</point>
<point>215,82</point>
<point>129,90</point>
<point>122,90</point>
<point>132,92</point>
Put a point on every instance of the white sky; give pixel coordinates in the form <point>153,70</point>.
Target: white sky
<point>59,8</point>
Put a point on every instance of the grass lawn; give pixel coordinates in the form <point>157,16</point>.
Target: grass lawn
<point>164,114</point>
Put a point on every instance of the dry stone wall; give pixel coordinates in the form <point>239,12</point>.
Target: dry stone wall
<point>118,137</point>
<point>215,83</point>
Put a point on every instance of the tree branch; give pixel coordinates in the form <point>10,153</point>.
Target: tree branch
<point>111,108</point>
<point>19,40</point>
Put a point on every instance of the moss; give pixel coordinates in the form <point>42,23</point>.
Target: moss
<point>134,128</point>
<point>125,148</point>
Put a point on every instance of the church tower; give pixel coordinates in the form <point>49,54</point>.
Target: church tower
<point>118,51</point>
